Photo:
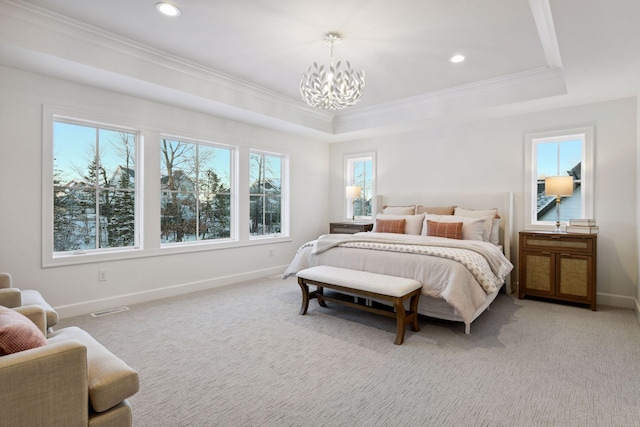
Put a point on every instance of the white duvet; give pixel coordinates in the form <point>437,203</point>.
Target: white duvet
<point>462,272</point>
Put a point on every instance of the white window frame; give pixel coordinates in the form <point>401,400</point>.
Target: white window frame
<point>49,257</point>
<point>586,134</point>
<point>148,190</point>
<point>233,191</point>
<point>284,194</point>
<point>349,161</point>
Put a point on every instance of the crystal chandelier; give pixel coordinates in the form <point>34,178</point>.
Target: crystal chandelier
<point>331,87</point>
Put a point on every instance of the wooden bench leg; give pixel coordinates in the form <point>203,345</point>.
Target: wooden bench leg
<point>319,294</point>
<point>413,306</point>
<point>305,296</point>
<point>400,320</point>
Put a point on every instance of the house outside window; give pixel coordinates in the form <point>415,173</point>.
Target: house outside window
<point>267,194</point>
<point>561,153</point>
<point>95,194</point>
<point>196,189</point>
<point>360,171</point>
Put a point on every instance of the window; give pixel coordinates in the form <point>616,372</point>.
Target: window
<point>360,171</point>
<point>95,208</point>
<point>562,153</point>
<point>267,178</point>
<point>94,187</point>
<point>195,183</point>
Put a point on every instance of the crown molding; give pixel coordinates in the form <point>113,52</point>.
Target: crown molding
<point>40,41</point>
<point>34,28</point>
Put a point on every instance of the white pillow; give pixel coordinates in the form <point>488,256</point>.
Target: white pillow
<point>488,214</point>
<point>412,225</point>
<point>471,227</point>
<point>399,210</point>
<point>495,232</point>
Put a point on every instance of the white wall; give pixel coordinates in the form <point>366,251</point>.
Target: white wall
<point>488,155</point>
<point>75,289</point>
<point>637,302</point>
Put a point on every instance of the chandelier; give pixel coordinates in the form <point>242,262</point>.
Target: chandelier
<point>331,87</point>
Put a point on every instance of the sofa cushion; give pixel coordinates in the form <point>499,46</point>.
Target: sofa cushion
<point>18,333</point>
<point>110,379</point>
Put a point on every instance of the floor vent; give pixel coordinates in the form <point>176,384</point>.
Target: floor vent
<point>109,311</point>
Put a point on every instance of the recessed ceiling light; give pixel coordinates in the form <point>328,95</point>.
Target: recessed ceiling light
<point>168,9</point>
<point>457,58</point>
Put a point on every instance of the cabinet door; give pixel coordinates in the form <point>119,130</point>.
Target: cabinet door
<point>574,278</point>
<point>539,273</point>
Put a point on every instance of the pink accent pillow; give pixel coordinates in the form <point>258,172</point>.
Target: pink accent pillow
<point>450,230</point>
<point>18,333</point>
<point>390,226</point>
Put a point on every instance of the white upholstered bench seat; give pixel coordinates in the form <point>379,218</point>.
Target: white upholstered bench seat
<point>366,284</point>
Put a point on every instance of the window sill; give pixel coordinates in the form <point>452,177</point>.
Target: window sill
<point>126,254</point>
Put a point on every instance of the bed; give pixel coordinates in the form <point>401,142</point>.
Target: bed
<point>461,277</point>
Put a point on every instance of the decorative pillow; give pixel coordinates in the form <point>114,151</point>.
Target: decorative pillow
<point>488,214</point>
<point>18,333</point>
<point>399,210</point>
<point>435,210</point>
<point>471,227</point>
<point>495,232</point>
<point>450,230</point>
<point>390,226</point>
<point>412,225</point>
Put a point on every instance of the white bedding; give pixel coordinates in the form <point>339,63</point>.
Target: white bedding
<point>425,259</point>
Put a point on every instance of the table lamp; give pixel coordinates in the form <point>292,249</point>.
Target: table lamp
<point>558,186</point>
<point>353,192</point>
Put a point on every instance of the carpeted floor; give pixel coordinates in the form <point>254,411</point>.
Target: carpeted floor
<point>242,356</point>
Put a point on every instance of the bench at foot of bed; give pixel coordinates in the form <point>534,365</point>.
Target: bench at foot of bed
<point>365,284</point>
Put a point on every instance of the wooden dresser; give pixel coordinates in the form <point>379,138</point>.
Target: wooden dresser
<point>349,227</point>
<point>559,266</point>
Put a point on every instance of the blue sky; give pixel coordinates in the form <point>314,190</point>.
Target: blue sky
<point>556,158</point>
<point>75,145</point>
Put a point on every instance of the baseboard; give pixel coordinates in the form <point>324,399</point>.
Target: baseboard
<point>605,299</point>
<point>87,307</point>
<point>616,300</point>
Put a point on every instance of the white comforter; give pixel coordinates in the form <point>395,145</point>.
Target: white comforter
<point>462,272</point>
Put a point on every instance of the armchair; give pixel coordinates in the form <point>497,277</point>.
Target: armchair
<point>71,381</point>
<point>13,297</point>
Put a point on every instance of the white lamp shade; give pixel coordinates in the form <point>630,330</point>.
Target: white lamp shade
<point>354,192</point>
<point>558,186</point>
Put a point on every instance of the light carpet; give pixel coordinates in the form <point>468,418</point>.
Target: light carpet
<point>242,356</point>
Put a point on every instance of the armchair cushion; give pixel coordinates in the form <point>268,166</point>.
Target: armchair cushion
<point>18,333</point>
<point>110,379</point>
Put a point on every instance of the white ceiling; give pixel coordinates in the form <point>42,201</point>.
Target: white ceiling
<point>243,60</point>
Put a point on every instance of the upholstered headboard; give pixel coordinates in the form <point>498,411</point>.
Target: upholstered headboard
<point>502,201</point>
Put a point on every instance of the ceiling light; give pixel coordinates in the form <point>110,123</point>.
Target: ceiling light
<point>331,87</point>
<point>168,9</point>
<point>457,58</point>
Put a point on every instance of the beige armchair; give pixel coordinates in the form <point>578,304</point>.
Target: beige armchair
<point>71,381</point>
<point>13,297</point>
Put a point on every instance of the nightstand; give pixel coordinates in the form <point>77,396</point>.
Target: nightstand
<point>349,227</point>
<point>559,266</point>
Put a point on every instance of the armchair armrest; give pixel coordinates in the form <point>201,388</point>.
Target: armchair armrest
<point>10,297</point>
<point>36,314</point>
<point>5,280</point>
<point>36,383</point>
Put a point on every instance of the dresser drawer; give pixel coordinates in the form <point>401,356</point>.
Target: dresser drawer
<point>557,243</point>
<point>349,227</point>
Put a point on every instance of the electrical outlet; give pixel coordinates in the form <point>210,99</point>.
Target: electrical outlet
<point>270,252</point>
<point>102,275</point>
